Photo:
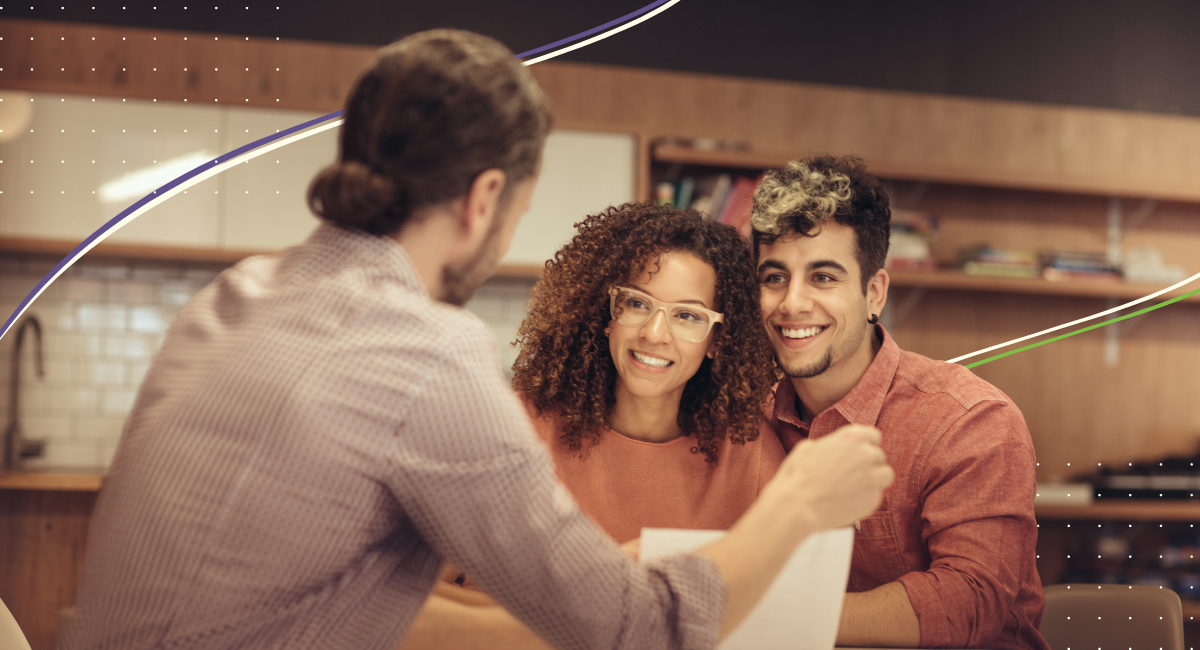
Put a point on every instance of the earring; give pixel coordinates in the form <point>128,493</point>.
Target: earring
<point>874,319</point>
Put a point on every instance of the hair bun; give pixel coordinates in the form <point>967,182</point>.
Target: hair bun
<point>351,193</point>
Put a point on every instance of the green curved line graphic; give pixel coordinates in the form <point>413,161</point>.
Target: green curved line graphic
<point>1085,329</point>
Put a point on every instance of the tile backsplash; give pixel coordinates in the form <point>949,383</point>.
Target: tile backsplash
<point>103,321</point>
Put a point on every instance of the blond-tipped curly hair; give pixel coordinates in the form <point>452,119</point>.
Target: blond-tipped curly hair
<point>807,193</point>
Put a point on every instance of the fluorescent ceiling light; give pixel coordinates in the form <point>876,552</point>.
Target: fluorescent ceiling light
<point>137,184</point>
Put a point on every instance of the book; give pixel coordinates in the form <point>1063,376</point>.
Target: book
<point>1058,275</point>
<point>664,193</point>
<point>737,207</point>
<point>1000,269</point>
<point>908,244</point>
<point>716,199</point>
<point>1008,263</point>
<point>684,188</point>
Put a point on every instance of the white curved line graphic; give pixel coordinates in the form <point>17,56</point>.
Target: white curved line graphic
<point>1081,320</point>
<point>600,37</point>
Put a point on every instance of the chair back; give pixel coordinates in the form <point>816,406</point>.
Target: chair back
<point>11,636</point>
<point>1112,617</point>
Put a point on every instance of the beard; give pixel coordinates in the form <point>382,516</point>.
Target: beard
<point>811,370</point>
<point>837,351</point>
<point>459,281</point>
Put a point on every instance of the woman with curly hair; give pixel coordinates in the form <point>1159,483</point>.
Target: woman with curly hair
<point>644,366</point>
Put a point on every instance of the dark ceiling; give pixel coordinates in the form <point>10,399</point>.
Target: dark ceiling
<point>1140,56</point>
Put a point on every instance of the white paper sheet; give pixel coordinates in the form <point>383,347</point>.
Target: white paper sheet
<point>801,609</point>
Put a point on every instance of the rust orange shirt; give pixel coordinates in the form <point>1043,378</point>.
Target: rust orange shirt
<point>956,528</point>
<point>625,484</point>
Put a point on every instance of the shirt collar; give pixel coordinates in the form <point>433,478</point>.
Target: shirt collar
<point>381,256</point>
<point>863,403</point>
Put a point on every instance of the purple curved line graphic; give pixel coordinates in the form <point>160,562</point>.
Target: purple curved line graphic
<point>117,220</point>
<point>112,223</point>
<point>594,30</point>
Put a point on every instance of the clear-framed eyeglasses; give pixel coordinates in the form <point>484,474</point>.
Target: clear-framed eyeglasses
<point>686,321</point>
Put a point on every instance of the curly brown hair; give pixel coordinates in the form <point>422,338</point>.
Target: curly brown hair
<point>564,365</point>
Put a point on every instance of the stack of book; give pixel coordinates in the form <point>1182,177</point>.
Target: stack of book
<point>908,245</point>
<point>1077,265</point>
<point>985,260</point>
<point>723,198</point>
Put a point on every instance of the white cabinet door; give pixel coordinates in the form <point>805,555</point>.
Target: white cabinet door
<point>265,207</point>
<point>86,159</point>
<point>83,160</point>
<point>583,172</point>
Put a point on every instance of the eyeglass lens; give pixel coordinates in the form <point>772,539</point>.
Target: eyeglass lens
<point>634,308</point>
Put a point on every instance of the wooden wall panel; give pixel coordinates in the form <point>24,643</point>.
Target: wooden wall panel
<point>903,134</point>
<point>1033,220</point>
<point>177,66</point>
<point>42,539</point>
<point>1079,410</point>
<point>911,135</point>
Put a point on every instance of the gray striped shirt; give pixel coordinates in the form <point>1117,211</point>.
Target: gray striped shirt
<point>315,438</point>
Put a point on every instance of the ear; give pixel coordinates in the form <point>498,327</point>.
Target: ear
<point>877,291</point>
<point>481,204</point>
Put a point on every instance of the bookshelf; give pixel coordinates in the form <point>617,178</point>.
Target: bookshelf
<point>758,160</point>
<point>1119,510</point>
<point>669,161</point>
<point>955,279</point>
<point>1066,532</point>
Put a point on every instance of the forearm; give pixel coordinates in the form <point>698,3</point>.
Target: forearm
<point>821,485</point>
<point>445,623</point>
<point>753,553</point>
<point>882,617</point>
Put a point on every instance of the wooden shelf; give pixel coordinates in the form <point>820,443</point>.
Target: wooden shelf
<point>1132,510</point>
<point>51,481</point>
<point>62,248</point>
<point>955,279</point>
<point>530,271</point>
<point>759,160</point>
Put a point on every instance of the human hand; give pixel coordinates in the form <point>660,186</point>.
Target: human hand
<point>633,547</point>
<point>836,480</point>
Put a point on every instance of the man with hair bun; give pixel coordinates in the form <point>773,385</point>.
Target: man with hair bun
<point>948,558</point>
<point>323,429</point>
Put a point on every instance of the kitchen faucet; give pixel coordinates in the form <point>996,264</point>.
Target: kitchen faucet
<point>16,448</point>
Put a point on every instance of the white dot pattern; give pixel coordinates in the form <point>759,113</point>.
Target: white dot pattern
<point>314,439</point>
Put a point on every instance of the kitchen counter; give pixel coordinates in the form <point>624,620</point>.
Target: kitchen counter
<point>60,481</point>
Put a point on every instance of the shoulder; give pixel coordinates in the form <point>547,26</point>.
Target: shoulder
<point>951,383</point>
<point>545,425</point>
<point>958,414</point>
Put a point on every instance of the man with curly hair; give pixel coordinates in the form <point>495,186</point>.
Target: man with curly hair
<point>948,558</point>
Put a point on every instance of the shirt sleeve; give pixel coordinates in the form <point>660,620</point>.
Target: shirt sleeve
<point>978,524</point>
<point>470,474</point>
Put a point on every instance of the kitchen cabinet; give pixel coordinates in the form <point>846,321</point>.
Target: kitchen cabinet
<point>583,172</point>
<point>86,159</point>
<point>54,178</point>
